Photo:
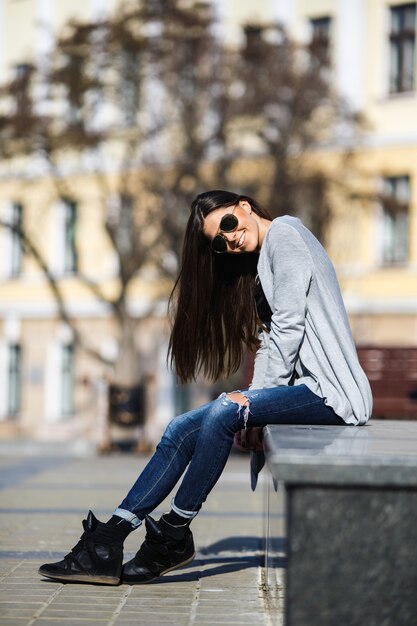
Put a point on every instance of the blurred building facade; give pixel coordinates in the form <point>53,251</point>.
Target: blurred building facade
<point>48,390</point>
<point>372,51</point>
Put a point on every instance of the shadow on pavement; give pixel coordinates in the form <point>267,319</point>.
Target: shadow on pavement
<point>229,565</point>
<point>240,544</point>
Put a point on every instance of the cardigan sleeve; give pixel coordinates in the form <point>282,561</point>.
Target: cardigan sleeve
<point>261,362</point>
<point>291,267</point>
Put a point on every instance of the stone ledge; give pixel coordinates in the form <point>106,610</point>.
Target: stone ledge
<point>383,452</point>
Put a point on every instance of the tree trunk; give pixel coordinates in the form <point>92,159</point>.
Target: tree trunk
<point>127,369</point>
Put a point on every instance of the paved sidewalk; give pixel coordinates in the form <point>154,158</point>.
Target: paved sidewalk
<point>43,501</point>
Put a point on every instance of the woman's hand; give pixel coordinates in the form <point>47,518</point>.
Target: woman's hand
<point>249,439</point>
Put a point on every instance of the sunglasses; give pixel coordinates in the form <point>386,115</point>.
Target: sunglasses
<point>228,224</point>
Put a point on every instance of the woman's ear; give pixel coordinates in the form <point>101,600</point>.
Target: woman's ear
<point>244,204</point>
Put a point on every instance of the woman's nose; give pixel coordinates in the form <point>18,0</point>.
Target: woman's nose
<point>230,237</point>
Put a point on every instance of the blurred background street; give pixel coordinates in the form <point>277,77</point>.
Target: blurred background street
<point>114,116</point>
<point>43,501</point>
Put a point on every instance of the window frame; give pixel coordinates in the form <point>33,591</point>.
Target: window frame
<point>17,248</point>
<point>397,81</point>
<point>402,209</point>
<point>14,379</point>
<point>67,380</point>
<point>320,45</point>
<point>70,255</point>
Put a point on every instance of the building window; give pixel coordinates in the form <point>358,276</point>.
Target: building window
<point>16,256</point>
<point>67,377</point>
<point>21,70</point>
<point>70,251</point>
<point>402,47</point>
<point>129,87</point>
<point>320,37</point>
<point>121,212</point>
<point>22,74</point>
<point>15,377</point>
<point>396,199</point>
<point>253,38</point>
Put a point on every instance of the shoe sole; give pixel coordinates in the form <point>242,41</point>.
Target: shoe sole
<point>80,578</point>
<point>145,582</point>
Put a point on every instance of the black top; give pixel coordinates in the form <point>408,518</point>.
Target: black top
<point>263,310</point>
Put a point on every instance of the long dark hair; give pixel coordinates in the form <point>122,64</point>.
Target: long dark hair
<point>211,305</point>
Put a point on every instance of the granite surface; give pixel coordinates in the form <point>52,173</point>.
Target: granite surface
<point>383,452</point>
<point>352,556</point>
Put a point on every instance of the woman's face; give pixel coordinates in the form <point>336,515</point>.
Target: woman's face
<point>245,238</point>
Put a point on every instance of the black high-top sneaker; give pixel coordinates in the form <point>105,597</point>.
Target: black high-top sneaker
<point>165,548</point>
<point>97,558</point>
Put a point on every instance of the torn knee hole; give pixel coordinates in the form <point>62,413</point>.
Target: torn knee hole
<point>237,396</point>
<point>243,404</point>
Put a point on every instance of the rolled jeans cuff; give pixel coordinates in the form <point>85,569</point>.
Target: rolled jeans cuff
<point>182,512</point>
<point>129,516</point>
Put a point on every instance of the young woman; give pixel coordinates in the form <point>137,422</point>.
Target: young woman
<point>245,282</point>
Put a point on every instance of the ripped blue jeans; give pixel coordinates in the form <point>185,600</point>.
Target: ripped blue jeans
<point>202,439</point>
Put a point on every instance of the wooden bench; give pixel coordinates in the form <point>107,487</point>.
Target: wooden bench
<point>392,373</point>
<point>351,520</point>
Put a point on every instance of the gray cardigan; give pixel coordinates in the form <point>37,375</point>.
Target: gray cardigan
<point>310,342</point>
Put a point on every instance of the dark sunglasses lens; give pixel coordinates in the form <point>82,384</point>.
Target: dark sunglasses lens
<point>219,244</point>
<point>228,223</point>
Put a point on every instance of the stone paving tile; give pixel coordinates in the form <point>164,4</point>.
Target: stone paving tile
<point>180,613</point>
<point>175,600</point>
<point>24,602</point>
<point>177,606</point>
<point>228,620</point>
<point>17,612</point>
<point>28,584</point>
<point>40,519</point>
<point>90,591</point>
<point>154,620</point>
<point>70,622</point>
<point>97,613</point>
<point>94,601</point>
